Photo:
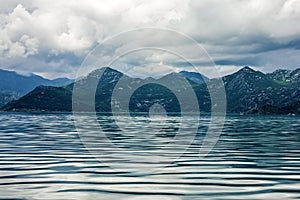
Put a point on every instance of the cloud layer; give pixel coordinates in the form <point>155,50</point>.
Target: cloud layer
<point>52,38</point>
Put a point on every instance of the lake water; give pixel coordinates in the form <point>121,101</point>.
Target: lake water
<point>42,157</point>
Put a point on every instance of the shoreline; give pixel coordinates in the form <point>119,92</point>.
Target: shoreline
<point>146,113</point>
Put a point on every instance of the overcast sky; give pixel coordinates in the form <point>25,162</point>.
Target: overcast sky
<point>52,37</point>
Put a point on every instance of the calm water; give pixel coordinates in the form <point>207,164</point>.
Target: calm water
<point>42,157</point>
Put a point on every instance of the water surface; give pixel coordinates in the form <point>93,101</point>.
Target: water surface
<point>42,157</point>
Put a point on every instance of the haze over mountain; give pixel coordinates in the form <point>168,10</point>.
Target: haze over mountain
<point>247,91</point>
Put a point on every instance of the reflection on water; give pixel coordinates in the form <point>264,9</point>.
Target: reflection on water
<point>42,157</point>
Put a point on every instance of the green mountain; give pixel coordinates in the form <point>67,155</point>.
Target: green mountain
<point>14,85</point>
<point>194,76</point>
<point>6,97</point>
<point>285,76</point>
<point>250,91</point>
<point>43,98</point>
<point>247,91</point>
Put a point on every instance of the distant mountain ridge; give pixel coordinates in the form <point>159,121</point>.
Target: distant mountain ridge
<point>194,76</point>
<point>14,85</point>
<point>284,75</point>
<point>248,91</point>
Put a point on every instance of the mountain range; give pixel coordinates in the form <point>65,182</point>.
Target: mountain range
<point>247,91</point>
<point>194,76</point>
<point>14,85</point>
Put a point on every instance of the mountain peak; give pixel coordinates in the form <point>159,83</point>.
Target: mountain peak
<point>246,69</point>
<point>17,84</point>
<point>194,76</point>
<point>104,71</point>
<point>247,91</point>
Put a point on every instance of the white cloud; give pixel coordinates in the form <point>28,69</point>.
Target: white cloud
<point>35,32</point>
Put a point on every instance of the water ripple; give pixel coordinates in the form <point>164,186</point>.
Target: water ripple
<point>42,157</point>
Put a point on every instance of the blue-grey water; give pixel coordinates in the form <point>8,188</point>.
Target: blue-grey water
<point>42,157</point>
